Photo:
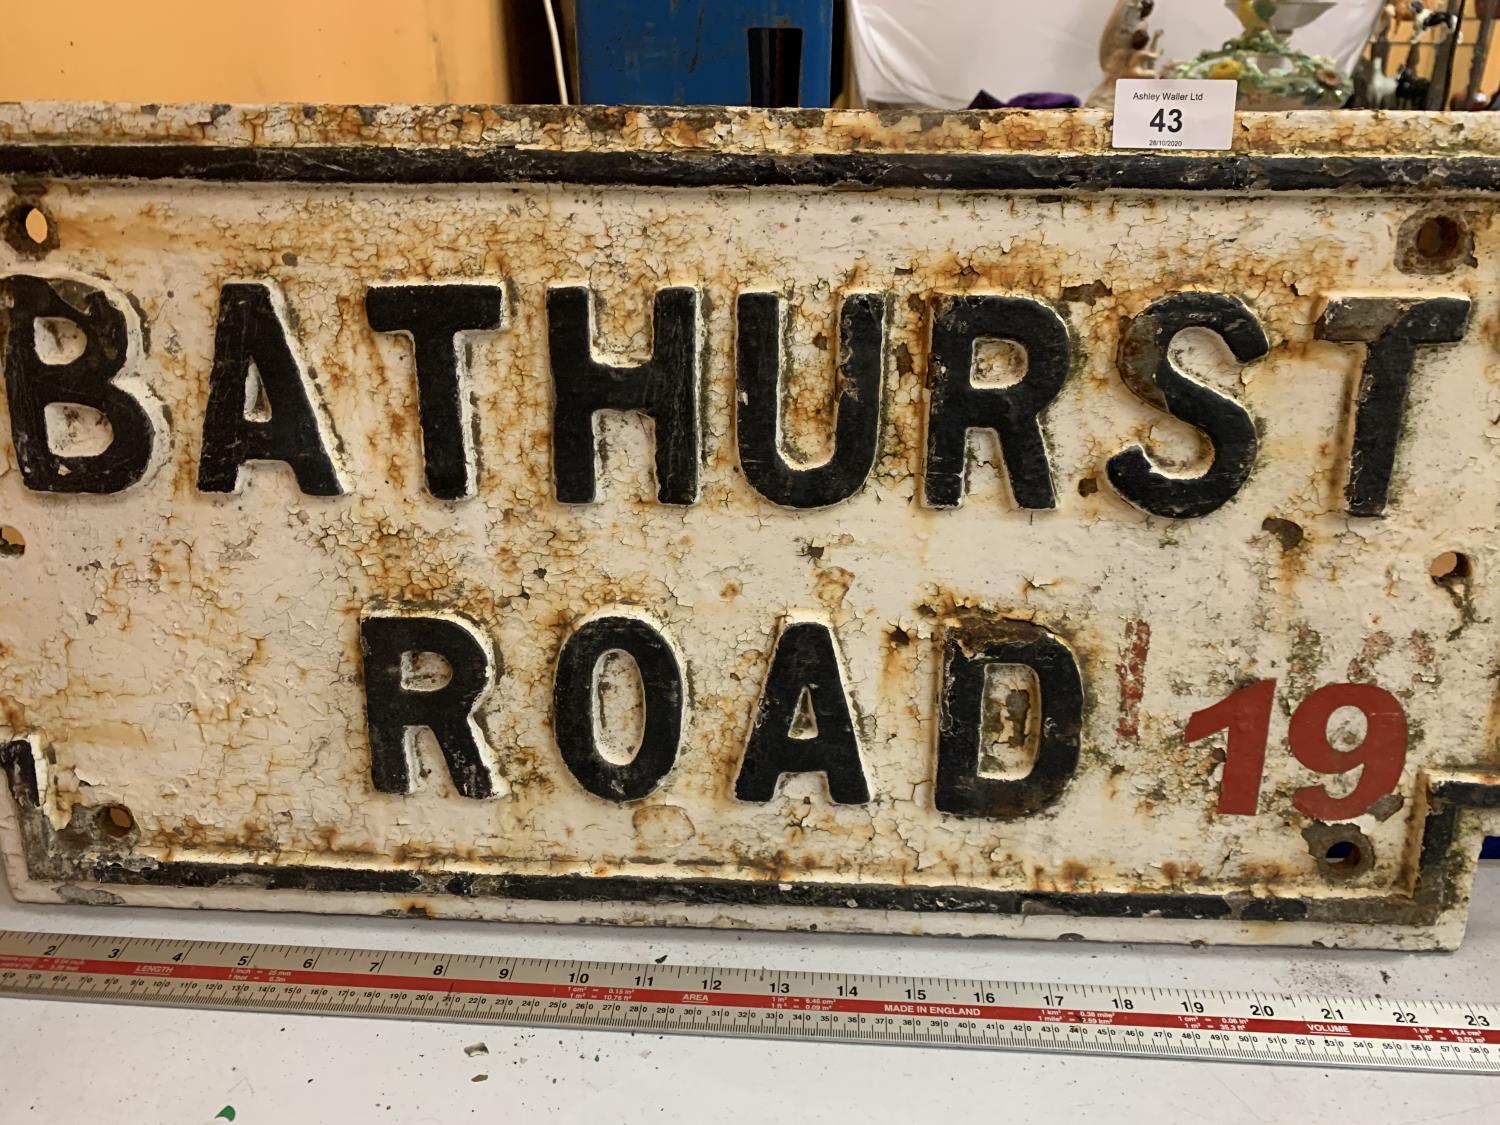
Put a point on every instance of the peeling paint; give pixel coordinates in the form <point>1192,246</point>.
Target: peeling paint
<point>194,658</point>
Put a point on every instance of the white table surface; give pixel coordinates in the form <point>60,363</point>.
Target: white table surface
<point>66,1062</point>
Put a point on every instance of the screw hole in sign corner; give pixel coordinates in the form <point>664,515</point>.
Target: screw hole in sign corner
<point>28,228</point>
<point>1341,851</point>
<point>34,223</point>
<point>1439,238</point>
<point>1343,854</point>
<point>116,822</point>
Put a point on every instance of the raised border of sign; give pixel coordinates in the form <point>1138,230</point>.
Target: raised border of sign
<point>1440,878</point>
<point>970,171</point>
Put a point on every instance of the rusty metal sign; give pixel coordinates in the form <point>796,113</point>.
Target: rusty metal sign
<point>933,524</point>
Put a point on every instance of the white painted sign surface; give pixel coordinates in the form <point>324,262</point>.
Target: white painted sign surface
<point>1111,673</point>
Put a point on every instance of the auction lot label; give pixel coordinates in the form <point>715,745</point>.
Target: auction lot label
<point>1174,113</point>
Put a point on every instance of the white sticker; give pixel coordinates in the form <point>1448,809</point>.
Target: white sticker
<point>1174,113</point>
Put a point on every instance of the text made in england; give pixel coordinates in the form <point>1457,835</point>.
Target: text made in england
<point>264,405</point>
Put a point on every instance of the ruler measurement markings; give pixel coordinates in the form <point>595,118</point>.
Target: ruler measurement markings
<point>849,1007</point>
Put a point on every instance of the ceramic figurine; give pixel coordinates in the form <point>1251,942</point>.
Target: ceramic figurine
<point>1425,79</point>
<point>1126,49</point>
<point>1373,87</point>
<point>1271,74</point>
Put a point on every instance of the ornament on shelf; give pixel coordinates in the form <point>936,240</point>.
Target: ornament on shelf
<point>1126,49</point>
<point>1270,72</point>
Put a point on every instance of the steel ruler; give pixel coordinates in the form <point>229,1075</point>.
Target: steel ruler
<point>1263,1027</point>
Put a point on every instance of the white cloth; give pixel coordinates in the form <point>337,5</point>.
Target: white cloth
<point>940,53</point>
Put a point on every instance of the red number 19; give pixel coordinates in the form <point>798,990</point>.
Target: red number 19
<point>1246,716</point>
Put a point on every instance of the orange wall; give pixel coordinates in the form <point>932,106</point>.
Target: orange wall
<point>255,50</point>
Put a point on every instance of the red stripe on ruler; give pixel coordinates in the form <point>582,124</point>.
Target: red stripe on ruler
<point>697,998</point>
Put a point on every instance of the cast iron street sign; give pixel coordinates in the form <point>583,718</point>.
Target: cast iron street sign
<point>920,523</point>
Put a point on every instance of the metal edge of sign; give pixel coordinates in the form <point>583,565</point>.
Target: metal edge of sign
<point>378,163</point>
<point>1442,880</point>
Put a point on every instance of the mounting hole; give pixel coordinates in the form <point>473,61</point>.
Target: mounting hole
<point>29,229</point>
<point>1341,851</point>
<point>115,822</point>
<point>36,226</point>
<point>12,542</point>
<point>1439,238</point>
<point>1451,568</point>
<point>1434,243</point>
<point>1343,855</point>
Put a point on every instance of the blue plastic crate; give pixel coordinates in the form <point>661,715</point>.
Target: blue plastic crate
<point>1491,848</point>
<point>678,52</point>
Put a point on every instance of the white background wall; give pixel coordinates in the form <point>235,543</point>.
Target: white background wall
<point>941,52</point>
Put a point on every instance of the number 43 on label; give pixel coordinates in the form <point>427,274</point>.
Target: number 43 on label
<point>1174,113</point>
<point>1167,120</point>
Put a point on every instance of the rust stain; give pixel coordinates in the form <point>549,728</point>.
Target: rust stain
<point>832,585</point>
<point>1377,644</point>
<point>1131,672</point>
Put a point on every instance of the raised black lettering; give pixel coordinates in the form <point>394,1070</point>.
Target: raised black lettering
<point>664,389</point>
<point>109,337</point>
<point>1012,412</point>
<point>396,706</point>
<point>434,316</point>
<point>1147,369</point>
<point>261,405</point>
<point>1391,328</point>
<point>573,721</point>
<point>968,650</point>
<point>760,358</point>
<point>804,680</point>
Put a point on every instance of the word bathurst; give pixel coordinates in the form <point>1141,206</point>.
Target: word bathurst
<point>278,414</point>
